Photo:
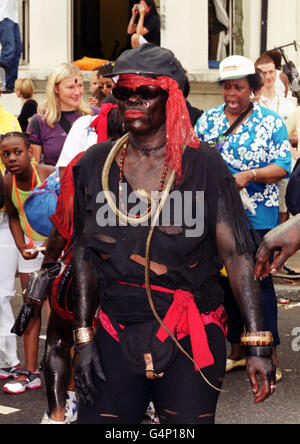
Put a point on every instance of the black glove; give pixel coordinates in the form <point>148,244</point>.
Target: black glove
<point>87,361</point>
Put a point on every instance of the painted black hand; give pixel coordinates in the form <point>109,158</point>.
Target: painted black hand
<point>87,362</point>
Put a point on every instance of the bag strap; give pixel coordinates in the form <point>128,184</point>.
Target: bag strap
<point>65,253</point>
<point>238,120</point>
<point>64,123</point>
<point>57,265</point>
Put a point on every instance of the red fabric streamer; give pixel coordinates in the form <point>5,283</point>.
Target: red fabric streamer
<point>63,216</point>
<point>99,125</point>
<point>179,130</point>
<point>184,315</point>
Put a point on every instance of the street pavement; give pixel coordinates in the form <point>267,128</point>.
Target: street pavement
<point>236,404</point>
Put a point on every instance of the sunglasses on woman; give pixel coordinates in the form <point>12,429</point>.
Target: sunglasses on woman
<point>143,92</point>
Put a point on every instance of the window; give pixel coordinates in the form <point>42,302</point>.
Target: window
<point>24,29</point>
<point>225,29</point>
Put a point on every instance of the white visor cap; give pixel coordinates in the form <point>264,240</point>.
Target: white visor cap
<point>235,67</point>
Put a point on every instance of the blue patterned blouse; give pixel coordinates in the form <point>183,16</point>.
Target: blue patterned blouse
<point>261,140</point>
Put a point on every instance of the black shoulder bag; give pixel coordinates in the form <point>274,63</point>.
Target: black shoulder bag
<point>220,140</point>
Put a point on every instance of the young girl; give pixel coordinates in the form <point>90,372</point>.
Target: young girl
<point>16,155</point>
<point>8,259</point>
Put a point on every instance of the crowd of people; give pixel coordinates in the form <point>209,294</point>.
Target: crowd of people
<point>149,292</point>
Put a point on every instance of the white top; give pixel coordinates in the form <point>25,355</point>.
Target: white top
<point>280,105</point>
<point>79,139</point>
<point>9,9</point>
<point>279,85</point>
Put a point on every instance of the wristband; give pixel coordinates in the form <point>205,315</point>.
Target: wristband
<point>259,352</point>
<point>83,334</point>
<point>254,175</point>
<point>256,338</point>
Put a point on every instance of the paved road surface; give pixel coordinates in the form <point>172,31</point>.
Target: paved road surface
<point>235,406</point>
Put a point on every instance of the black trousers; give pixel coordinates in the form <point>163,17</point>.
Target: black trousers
<point>181,396</point>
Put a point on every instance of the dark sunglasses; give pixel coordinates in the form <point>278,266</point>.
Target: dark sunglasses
<point>106,85</point>
<point>143,92</point>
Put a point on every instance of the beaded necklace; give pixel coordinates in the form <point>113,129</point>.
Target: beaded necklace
<point>139,191</point>
<point>146,150</point>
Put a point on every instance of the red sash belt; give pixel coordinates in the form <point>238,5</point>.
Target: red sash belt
<point>183,317</point>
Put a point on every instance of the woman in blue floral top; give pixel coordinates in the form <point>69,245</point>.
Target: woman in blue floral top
<point>257,152</point>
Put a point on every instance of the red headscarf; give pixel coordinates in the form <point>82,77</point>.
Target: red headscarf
<point>179,130</point>
<point>99,125</point>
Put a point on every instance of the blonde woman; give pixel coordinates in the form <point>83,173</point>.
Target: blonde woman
<point>64,104</point>
<point>24,89</point>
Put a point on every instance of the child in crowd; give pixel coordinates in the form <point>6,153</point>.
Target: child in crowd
<point>94,83</point>
<point>97,98</point>
<point>105,84</point>
<point>16,155</point>
<point>24,89</point>
<point>100,86</point>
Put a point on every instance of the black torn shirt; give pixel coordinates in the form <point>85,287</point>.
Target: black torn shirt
<point>188,254</point>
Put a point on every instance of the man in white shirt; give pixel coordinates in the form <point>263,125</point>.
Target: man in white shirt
<point>269,97</point>
<point>10,40</point>
<point>282,106</point>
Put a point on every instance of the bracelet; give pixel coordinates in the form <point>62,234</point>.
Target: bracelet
<point>83,334</point>
<point>259,352</point>
<point>254,175</point>
<point>257,338</point>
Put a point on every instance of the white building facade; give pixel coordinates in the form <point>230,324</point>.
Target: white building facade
<point>61,30</point>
